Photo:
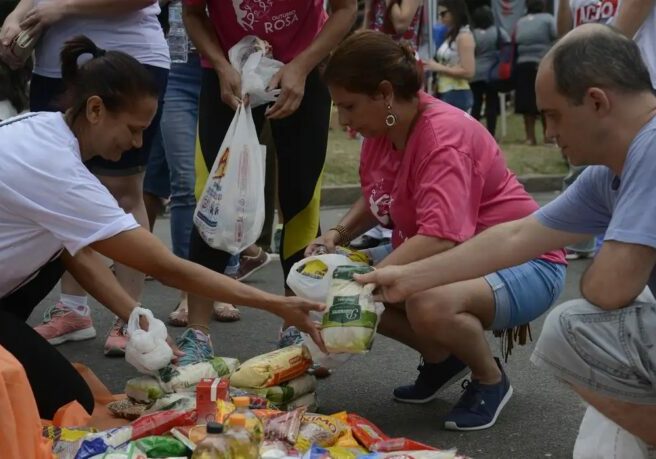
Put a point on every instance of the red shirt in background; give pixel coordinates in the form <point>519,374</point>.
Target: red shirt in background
<point>450,182</point>
<point>288,25</point>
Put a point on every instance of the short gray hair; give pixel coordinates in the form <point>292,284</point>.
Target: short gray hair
<point>600,57</point>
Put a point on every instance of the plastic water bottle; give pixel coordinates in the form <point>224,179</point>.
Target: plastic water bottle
<point>177,38</point>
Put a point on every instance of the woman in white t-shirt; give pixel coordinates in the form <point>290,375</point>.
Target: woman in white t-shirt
<point>130,26</point>
<point>56,214</point>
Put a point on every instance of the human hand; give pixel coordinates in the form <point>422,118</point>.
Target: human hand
<point>43,15</point>
<point>10,29</point>
<point>291,81</point>
<point>295,311</point>
<point>174,347</point>
<point>325,243</point>
<point>393,284</point>
<point>230,82</point>
<point>435,66</point>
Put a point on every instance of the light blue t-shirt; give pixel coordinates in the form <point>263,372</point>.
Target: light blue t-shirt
<point>623,207</point>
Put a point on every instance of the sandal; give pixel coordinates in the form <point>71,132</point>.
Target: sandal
<point>225,312</point>
<point>179,316</point>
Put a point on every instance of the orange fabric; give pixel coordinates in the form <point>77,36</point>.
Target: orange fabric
<point>101,418</point>
<point>20,427</point>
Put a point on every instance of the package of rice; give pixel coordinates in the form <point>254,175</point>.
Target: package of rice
<point>273,368</point>
<point>286,392</point>
<point>309,401</point>
<point>350,322</point>
<point>144,389</point>
<point>183,379</point>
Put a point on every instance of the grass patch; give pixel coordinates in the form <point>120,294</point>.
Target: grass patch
<point>343,155</point>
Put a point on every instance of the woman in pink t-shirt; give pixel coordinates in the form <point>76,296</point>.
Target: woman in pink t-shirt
<point>301,35</point>
<point>436,177</point>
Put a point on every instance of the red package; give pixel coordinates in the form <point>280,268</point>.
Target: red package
<point>208,391</point>
<point>367,433</point>
<point>161,422</point>
<point>399,444</point>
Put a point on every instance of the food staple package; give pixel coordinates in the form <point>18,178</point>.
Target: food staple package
<point>273,368</point>
<point>350,322</point>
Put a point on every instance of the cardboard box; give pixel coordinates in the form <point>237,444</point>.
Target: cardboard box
<point>208,391</point>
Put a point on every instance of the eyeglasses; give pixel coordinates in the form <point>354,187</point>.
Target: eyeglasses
<point>443,13</point>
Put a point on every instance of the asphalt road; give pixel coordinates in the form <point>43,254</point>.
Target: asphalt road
<point>541,419</point>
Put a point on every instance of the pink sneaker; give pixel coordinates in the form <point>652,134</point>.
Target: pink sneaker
<point>116,339</point>
<point>61,324</point>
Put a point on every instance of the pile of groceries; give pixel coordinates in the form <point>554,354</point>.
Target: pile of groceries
<point>265,407</point>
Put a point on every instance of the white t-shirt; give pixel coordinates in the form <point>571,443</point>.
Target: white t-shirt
<point>48,198</point>
<point>138,34</point>
<point>604,11</point>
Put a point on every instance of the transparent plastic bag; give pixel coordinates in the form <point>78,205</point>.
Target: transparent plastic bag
<point>252,58</point>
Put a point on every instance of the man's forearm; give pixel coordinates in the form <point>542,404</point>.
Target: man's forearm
<point>97,279</point>
<point>502,246</point>
<point>104,7</point>
<point>631,14</point>
<point>564,20</point>
<point>203,36</point>
<point>339,23</point>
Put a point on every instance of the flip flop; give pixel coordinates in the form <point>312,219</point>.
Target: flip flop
<point>225,312</point>
<point>179,317</point>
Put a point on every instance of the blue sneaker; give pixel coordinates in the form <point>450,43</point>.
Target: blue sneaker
<point>196,345</point>
<point>480,404</point>
<point>433,377</point>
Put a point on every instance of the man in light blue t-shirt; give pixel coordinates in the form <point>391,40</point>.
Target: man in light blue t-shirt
<point>595,93</point>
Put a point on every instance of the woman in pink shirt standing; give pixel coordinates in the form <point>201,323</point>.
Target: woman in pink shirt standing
<point>301,36</point>
<point>436,177</point>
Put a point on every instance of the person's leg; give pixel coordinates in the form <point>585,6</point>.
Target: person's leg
<point>529,129</point>
<point>179,122</point>
<point>478,92</point>
<point>156,184</point>
<point>214,118</point>
<point>608,357</point>
<point>270,189</point>
<point>40,360</point>
<point>502,300</point>
<point>492,108</point>
<point>301,140</point>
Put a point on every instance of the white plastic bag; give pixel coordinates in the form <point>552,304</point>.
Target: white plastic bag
<point>147,351</point>
<point>251,58</point>
<point>601,438</point>
<point>310,278</point>
<point>230,212</point>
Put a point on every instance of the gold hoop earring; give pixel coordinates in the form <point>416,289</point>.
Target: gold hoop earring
<point>390,119</point>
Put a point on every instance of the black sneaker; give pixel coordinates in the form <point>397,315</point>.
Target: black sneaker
<point>480,404</point>
<point>432,378</point>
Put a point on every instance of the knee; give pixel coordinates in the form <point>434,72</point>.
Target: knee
<point>553,336</point>
<point>430,313</point>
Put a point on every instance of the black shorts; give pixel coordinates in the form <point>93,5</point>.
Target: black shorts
<point>46,96</point>
<point>301,140</point>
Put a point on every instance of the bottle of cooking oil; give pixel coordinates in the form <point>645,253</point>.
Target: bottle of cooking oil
<point>216,445</point>
<point>253,424</point>
<point>242,445</point>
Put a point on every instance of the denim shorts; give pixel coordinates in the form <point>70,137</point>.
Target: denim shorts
<point>524,292</point>
<point>612,353</point>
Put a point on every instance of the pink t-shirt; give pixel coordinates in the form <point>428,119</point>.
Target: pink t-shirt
<point>450,182</point>
<point>288,25</point>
